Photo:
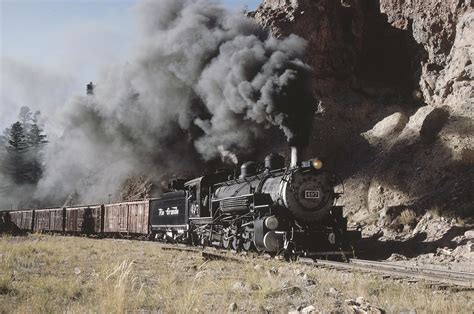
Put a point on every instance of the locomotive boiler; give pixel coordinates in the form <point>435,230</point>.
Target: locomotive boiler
<point>268,207</point>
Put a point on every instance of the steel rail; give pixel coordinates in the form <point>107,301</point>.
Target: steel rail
<point>452,277</point>
<point>425,270</point>
<point>463,279</point>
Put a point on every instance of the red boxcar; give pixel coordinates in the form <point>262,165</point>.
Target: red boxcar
<point>129,218</point>
<point>42,220</point>
<point>49,220</point>
<point>22,219</point>
<point>138,217</point>
<point>56,219</point>
<point>86,219</point>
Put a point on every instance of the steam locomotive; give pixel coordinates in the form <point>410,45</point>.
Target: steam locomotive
<point>268,207</point>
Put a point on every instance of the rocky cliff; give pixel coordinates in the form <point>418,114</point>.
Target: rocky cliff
<point>394,86</point>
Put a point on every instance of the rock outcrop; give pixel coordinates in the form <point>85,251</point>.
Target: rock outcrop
<point>394,81</point>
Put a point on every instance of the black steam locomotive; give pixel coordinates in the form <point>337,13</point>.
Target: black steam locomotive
<point>268,207</point>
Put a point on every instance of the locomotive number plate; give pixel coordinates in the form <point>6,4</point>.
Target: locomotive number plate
<point>311,194</point>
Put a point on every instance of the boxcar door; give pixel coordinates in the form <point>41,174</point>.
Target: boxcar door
<point>80,219</point>
<point>97,214</point>
<point>123,218</point>
<point>141,217</point>
<point>52,220</point>
<point>132,218</point>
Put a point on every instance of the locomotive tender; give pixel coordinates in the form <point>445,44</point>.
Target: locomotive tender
<point>268,207</point>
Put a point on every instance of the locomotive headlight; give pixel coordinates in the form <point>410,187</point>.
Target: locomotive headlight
<point>316,163</point>
<point>271,223</point>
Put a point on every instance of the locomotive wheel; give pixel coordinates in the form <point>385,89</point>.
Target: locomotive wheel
<point>236,243</point>
<point>248,245</point>
<point>194,239</point>
<point>226,242</point>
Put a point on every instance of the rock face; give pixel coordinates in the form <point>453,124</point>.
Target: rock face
<point>445,29</point>
<point>425,44</point>
<point>394,82</point>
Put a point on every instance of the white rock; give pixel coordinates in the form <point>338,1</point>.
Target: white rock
<point>333,292</point>
<point>239,285</point>
<point>360,300</point>
<point>232,307</point>
<point>258,267</point>
<point>390,126</point>
<point>308,310</point>
<point>469,234</point>
<point>470,247</point>
<point>350,302</point>
<point>397,257</point>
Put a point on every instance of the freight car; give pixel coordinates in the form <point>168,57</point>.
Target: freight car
<point>121,219</point>
<point>84,219</point>
<point>22,219</point>
<point>268,207</point>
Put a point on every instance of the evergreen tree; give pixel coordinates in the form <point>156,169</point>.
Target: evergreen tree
<point>17,140</point>
<point>21,154</point>
<point>15,161</point>
<point>36,141</point>
<point>25,118</point>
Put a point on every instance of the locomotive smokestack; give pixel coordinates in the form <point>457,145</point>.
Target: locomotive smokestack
<point>295,156</point>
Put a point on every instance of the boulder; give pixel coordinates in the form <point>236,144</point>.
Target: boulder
<point>308,310</point>
<point>387,128</point>
<point>232,307</point>
<point>469,234</point>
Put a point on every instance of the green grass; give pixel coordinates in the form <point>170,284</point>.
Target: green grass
<point>51,274</point>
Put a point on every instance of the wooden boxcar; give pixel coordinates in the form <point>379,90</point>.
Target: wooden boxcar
<point>56,219</point>
<point>42,220</point>
<point>86,219</point>
<point>49,220</point>
<point>126,218</point>
<point>22,219</point>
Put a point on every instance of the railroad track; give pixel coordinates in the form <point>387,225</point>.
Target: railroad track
<point>449,277</point>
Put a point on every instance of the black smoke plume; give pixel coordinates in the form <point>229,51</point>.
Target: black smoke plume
<point>202,81</point>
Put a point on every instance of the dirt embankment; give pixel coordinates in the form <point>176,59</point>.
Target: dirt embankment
<point>396,89</point>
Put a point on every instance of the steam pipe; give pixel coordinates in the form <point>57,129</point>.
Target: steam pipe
<point>295,156</point>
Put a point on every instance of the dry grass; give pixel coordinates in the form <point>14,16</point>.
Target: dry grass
<point>436,212</point>
<point>408,217</point>
<point>53,274</point>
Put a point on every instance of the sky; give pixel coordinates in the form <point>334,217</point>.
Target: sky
<point>50,49</point>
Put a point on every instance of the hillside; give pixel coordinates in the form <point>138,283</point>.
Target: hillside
<point>396,89</point>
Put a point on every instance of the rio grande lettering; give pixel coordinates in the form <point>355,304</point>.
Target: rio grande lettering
<point>170,211</point>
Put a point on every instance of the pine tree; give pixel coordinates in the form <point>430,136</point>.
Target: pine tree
<point>36,141</point>
<point>15,162</point>
<point>21,155</point>
<point>25,118</point>
<point>17,139</point>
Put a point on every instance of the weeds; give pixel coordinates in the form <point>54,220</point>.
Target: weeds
<point>408,217</point>
<point>67,274</point>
